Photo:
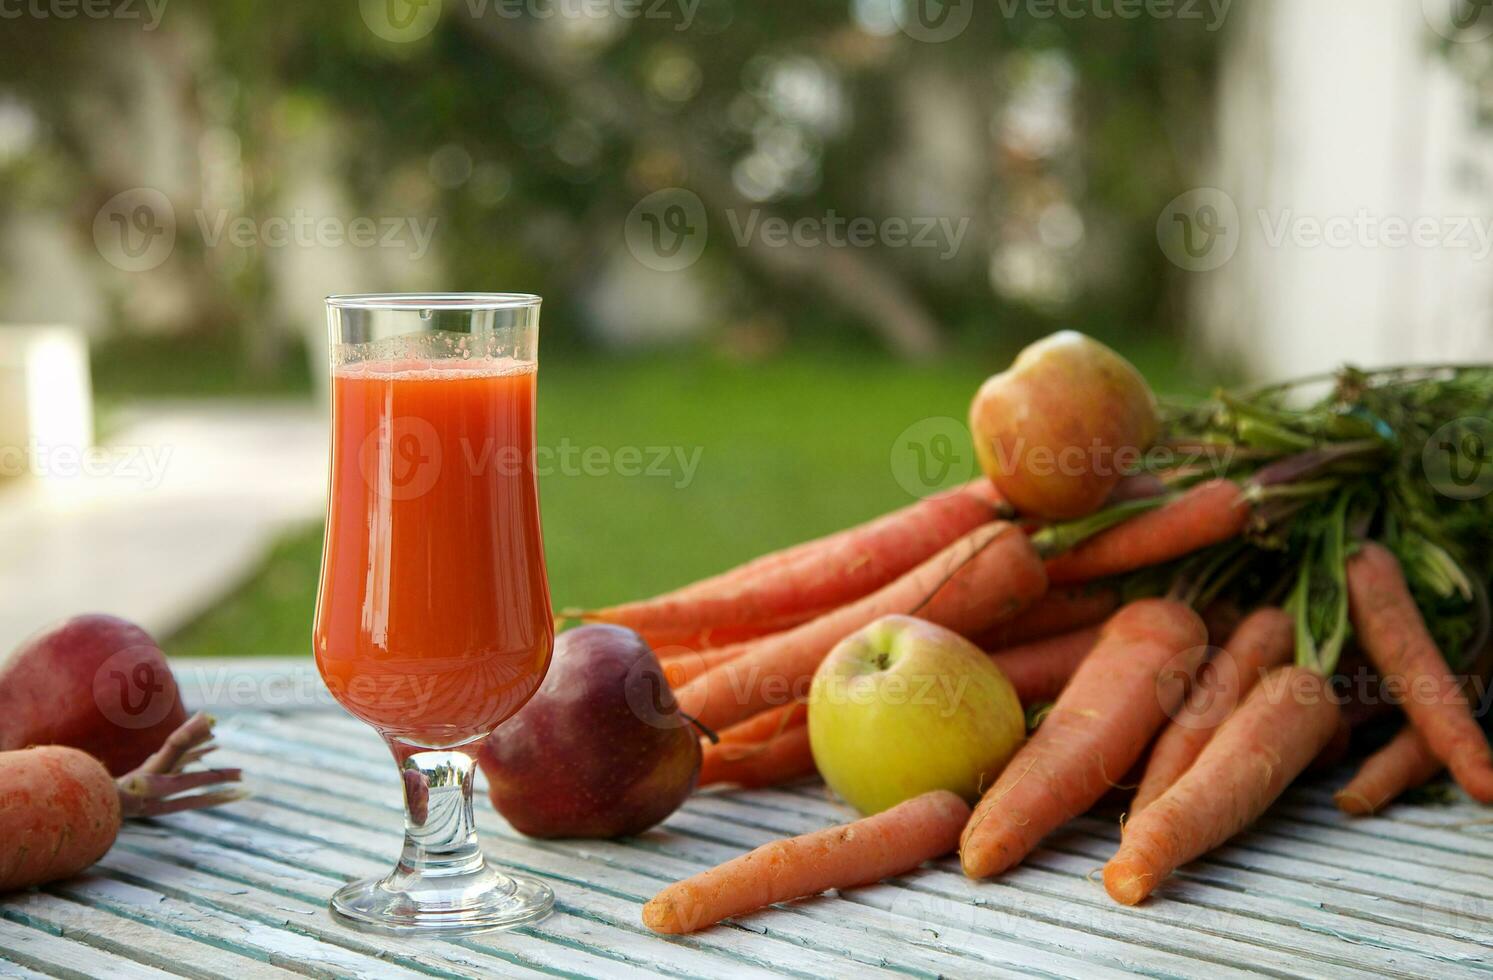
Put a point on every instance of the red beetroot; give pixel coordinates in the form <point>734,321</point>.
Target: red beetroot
<point>97,683</point>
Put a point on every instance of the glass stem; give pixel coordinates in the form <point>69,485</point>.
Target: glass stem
<point>440,834</point>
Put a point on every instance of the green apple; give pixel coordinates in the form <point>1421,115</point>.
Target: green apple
<point>902,707</point>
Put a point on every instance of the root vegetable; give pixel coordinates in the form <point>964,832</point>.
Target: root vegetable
<point>1121,694</point>
<point>1286,720</point>
<point>859,853</point>
<point>1395,637</point>
<point>60,810</point>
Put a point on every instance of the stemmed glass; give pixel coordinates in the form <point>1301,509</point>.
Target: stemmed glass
<point>433,617</point>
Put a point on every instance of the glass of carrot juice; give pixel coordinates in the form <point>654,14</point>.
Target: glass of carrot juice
<point>433,617</point>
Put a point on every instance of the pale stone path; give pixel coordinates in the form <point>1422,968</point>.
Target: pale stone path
<point>187,499</point>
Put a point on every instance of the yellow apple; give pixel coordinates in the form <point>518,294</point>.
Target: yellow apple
<point>1058,428</point>
<point>902,707</point>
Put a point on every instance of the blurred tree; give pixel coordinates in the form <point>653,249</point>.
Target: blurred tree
<point>1047,144</point>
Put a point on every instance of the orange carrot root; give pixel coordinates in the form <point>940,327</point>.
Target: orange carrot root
<point>776,760</point>
<point>986,576</point>
<point>1095,732</point>
<point>769,724</point>
<point>859,853</point>
<point>782,590</point>
<point>1205,515</point>
<point>1265,639</point>
<point>1403,764</point>
<point>1393,634</point>
<point>1281,726</point>
<point>1039,671</point>
<point>1059,611</point>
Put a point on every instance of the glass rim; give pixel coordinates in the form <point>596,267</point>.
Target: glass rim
<point>413,302</point>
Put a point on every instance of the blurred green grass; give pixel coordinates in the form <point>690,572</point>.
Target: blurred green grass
<point>787,449</point>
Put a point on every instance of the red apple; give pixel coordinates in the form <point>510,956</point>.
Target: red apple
<point>600,750</point>
<point>96,683</point>
<point>1058,429</point>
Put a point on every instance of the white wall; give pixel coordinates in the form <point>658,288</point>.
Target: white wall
<point>1341,114</point>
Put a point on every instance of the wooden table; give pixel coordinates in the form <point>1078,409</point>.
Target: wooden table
<point>241,892</point>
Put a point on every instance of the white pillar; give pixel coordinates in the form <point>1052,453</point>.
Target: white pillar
<point>46,399</point>
<point>1340,130</point>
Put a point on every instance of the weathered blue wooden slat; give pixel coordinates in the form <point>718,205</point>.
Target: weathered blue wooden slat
<point>241,892</point>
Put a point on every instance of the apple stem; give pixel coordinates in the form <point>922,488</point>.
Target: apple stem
<point>704,730</point>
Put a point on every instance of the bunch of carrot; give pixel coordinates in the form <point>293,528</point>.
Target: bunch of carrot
<point>1215,735</point>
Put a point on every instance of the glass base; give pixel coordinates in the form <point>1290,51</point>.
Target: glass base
<point>480,902</point>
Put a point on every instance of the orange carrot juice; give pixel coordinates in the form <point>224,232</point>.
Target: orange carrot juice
<point>433,620</point>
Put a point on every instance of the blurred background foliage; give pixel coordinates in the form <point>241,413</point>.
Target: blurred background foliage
<point>530,136</point>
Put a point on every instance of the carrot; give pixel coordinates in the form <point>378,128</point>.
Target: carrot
<point>768,724</point>
<point>988,575</point>
<point>680,670</point>
<point>781,591</point>
<point>1403,764</point>
<point>1281,726</point>
<point>1059,611</point>
<point>858,853</point>
<point>776,760</point>
<point>667,646</point>
<point>60,810</point>
<point>1395,638</point>
<point>1039,671</point>
<point>1095,732</point>
<point>1206,514</point>
<point>1265,639</point>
